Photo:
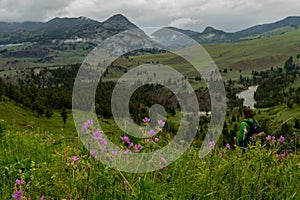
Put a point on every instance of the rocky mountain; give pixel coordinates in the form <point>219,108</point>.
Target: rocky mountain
<point>88,30</point>
<point>63,29</point>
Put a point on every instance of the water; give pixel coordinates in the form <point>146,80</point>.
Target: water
<point>248,96</point>
<point>11,45</point>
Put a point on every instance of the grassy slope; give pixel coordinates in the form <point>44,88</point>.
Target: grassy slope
<point>20,118</point>
<point>258,54</point>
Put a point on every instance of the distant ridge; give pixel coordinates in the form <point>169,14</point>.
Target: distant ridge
<point>212,35</point>
<point>89,29</point>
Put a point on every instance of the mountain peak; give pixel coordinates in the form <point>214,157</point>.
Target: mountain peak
<point>211,29</point>
<point>117,17</point>
<point>118,22</point>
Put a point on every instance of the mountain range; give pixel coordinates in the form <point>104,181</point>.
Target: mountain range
<point>62,29</point>
<point>89,30</point>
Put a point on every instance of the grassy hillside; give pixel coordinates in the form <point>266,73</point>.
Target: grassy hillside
<point>256,54</point>
<point>44,162</point>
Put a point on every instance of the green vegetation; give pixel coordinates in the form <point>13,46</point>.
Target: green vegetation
<point>39,143</point>
<point>48,167</point>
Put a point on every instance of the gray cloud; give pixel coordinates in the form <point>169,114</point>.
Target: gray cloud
<point>228,15</point>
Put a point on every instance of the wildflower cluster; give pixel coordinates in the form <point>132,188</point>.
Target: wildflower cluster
<point>272,139</point>
<point>151,134</point>
<point>18,195</point>
<point>98,136</point>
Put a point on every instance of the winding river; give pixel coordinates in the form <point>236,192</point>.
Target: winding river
<point>248,96</point>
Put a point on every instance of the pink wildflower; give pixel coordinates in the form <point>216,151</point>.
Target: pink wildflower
<point>151,133</point>
<point>19,182</point>
<point>212,144</point>
<point>146,120</point>
<point>161,123</point>
<point>281,139</point>
<point>75,159</point>
<point>18,195</point>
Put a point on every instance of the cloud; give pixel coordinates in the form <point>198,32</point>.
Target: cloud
<point>31,10</point>
<point>182,22</point>
<point>228,15</point>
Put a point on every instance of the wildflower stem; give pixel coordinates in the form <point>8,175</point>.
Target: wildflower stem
<point>127,182</point>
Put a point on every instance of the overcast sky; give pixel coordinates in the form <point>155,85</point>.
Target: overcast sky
<point>228,15</point>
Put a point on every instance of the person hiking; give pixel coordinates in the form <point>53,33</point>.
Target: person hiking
<point>249,128</point>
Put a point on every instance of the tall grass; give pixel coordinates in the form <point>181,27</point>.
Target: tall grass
<point>44,162</point>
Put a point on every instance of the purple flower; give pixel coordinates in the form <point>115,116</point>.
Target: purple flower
<point>125,182</point>
<point>98,135</point>
<point>86,124</point>
<point>131,145</point>
<point>160,166</point>
<point>103,146</point>
<point>156,140</point>
<point>212,144</point>
<point>228,146</point>
<point>125,139</point>
<point>151,133</point>
<point>281,139</point>
<point>138,148</point>
<point>161,123</point>
<point>103,142</point>
<point>114,153</point>
<point>42,197</point>
<point>18,195</point>
<point>94,153</point>
<point>75,159</point>
<point>127,152</point>
<point>163,160</point>
<point>146,120</point>
<point>19,182</point>
<point>147,141</point>
<point>268,137</point>
<point>273,137</point>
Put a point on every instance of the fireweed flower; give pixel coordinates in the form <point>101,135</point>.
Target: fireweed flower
<point>273,137</point>
<point>125,139</point>
<point>138,148</point>
<point>42,197</point>
<point>212,144</point>
<point>127,152</point>
<point>86,124</point>
<point>94,153</point>
<point>268,137</point>
<point>75,159</point>
<point>228,146</point>
<point>146,120</point>
<point>161,123</point>
<point>163,160</point>
<point>281,139</point>
<point>98,135</point>
<point>103,144</point>
<point>18,195</point>
<point>114,153</point>
<point>131,145</point>
<point>156,140</point>
<point>151,133</point>
<point>19,182</point>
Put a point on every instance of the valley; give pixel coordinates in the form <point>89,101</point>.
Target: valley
<point>39,144</point>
